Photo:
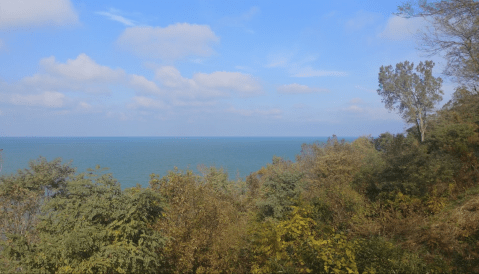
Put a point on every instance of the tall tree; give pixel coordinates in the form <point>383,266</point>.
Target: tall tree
<point>453,31</point>
<point>412,94</point>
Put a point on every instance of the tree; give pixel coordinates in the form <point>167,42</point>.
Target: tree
<point>453,31</point>
<point>202,222</point>
<point>281,183</point>
<point>21,197</point>
<point>92,226</point>
<point>22,194</point>
<point>412,95</point>
<point>295,245</point>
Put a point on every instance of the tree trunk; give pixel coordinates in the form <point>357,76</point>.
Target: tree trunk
<point>421,127</point>
<point>422,130</point>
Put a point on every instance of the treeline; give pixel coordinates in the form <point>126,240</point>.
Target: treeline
<point>391,204</point>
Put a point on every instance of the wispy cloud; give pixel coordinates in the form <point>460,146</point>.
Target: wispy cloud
<point>169,43</point>
<point>240,19</point>
<point>112,15</point>
<point>364,111</point>
<point>361,20</point>
<point>299,67</point>
<point>280,61</point>
<point>271,113</point>
<point>355,109</point>
<point>299,89</point>
<point>356,101</point>
<point>311,72</point>
<point>399,28</point>
<point>49,99</point>
<point>330,14</point>
<point>146,102</point>
<point>242,67</point>
<point>364,89</point>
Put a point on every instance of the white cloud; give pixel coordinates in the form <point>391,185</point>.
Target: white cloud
<point>50,99</point>
<point>118,18</point>
<point>355,109</point>
<point>356,101</point>
<point>310,72</point>
<point>361,20</point>
<point>145,102</point>
<point>119,115</point>
<point>399,28</point>
<point>47,87</point>
<point>80,74</point>
<point>216,84</point>
<point>273,113</point>
<point>83,68</point>
<point>169,43</point>
<point>222,80</point>
<point>299,89</point>
<point>84,106</point>
<point>179,103</point>
<point>16,13</point>
<point>171,77</point>
<point>144,85</point>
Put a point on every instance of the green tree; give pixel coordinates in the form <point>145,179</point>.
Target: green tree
<point>93,227</point>
<point>281,184</point>
<point>453,32</point>
<point>21,198</point>
<point>413,95</point>
<point>22,194</point>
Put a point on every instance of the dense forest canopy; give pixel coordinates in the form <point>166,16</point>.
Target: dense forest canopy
<point>398,203</point>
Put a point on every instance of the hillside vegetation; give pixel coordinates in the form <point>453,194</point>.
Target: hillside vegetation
<point>398,203</point>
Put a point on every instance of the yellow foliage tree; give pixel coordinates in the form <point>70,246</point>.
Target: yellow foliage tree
<point>294,245</point>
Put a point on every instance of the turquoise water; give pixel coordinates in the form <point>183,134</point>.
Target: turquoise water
<point>132,159</point>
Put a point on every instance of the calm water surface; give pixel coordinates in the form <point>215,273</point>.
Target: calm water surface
<point>132,159</point>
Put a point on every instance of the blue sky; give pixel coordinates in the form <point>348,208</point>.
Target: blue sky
<point>200,68</point>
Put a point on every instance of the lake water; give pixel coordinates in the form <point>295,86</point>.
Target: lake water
<point>132,159</point>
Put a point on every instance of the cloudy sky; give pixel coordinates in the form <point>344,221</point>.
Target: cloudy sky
<point>199,68</point>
